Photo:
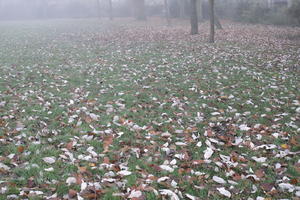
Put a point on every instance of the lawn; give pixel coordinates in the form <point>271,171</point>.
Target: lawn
<point>93,109</point>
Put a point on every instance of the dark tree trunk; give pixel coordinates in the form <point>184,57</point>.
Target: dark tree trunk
<point>110,10</point>
<point>194,17</point>
<point>212,21</point>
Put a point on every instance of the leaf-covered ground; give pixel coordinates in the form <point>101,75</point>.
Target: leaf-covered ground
<point>95,109</point>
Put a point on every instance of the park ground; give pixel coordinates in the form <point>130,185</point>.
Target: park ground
<point>94,109</point>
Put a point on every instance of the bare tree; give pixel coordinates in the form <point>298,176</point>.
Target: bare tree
<point>194,17</point>
<point>167,12</point>
<point>181,5</point>
<point>98,8</point>
<point>139,9</point>
<point>199,10</point>
<point>110,10</point>
<point>212,21</point>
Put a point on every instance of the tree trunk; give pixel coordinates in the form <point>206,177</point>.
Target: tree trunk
<point>110,10</point>
<point>199,10</point>
<point>212,21</point>
<point>194,17</point>
<point>181,4</point>
<point>167,12</point>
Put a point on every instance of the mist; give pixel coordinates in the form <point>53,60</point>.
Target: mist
<point>266,11</point>
<point>149,99</point>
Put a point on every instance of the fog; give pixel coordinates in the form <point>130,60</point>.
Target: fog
<point>42,9</point>
<point>254,11</point>
<point>149,99</point>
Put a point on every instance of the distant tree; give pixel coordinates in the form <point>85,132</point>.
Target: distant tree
<point>199,10</point>
<point>181,5</point>
<point>110,10</point>
<point>98,9</point>
<point>194,17</point>
<point>139,9</point>
<point>212,21</point>
<point>167,12</point>
<point>294,11</point>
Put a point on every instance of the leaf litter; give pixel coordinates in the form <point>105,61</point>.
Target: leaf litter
<point>149,112</point>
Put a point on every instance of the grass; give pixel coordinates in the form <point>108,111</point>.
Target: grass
<point>145,80</point>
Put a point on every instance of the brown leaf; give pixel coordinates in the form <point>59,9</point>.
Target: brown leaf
<point>294,181</point>
<point>293,141</point>
<point>82,169</point>
<point>198,162</point>
<point>210,133</point>
<point>69,146</point>
<point>31,183</point>
<point>122,121</point>
<point>181,171</point>
<point>106,160</point>
<point>78,178</point>
<point>88,119</point>
<point>224,98</point>
<point>267,186</point>
<point>108,140</point>
<point>155,167</point>
<point>236,177</point>
<point>72,193</point>
<point>2,123</point>
<point>260,173</point>
<point>89,196</point>
<point>91,102</point>
<point>21,149</point>
<point>297,168</point>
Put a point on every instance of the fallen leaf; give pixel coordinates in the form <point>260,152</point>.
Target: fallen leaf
<point>259,160</point>
<point>260,173</point>
<point>219,180</point>
<point>71,180</point>
<point>82,169</point>
<point>286,186</point>
<point>162,179</point>
<point>124,173</point>
<point>72,193</point>
<point>284,146</point>
<point>49,160</point>
<point>267,186</point>
<point>108,140</point>
<point>191,197</point>
<point>224,192</point>
<point>69,145</point>
<point>135,194</point>
<point>208,153</point>
<point>294,181</point>
<point>167,168</point>
<point>21,149</point>
<point>169,193</point>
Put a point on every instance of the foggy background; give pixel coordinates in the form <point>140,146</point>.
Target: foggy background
<point>280,12</point>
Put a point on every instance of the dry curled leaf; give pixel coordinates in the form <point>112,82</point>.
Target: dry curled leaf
<point>108,140</point>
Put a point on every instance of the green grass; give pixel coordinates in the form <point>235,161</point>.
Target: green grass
<point>155,79</point>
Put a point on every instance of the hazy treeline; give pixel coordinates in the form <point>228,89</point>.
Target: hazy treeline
<point>36,9</point>
<point>253,11</point>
